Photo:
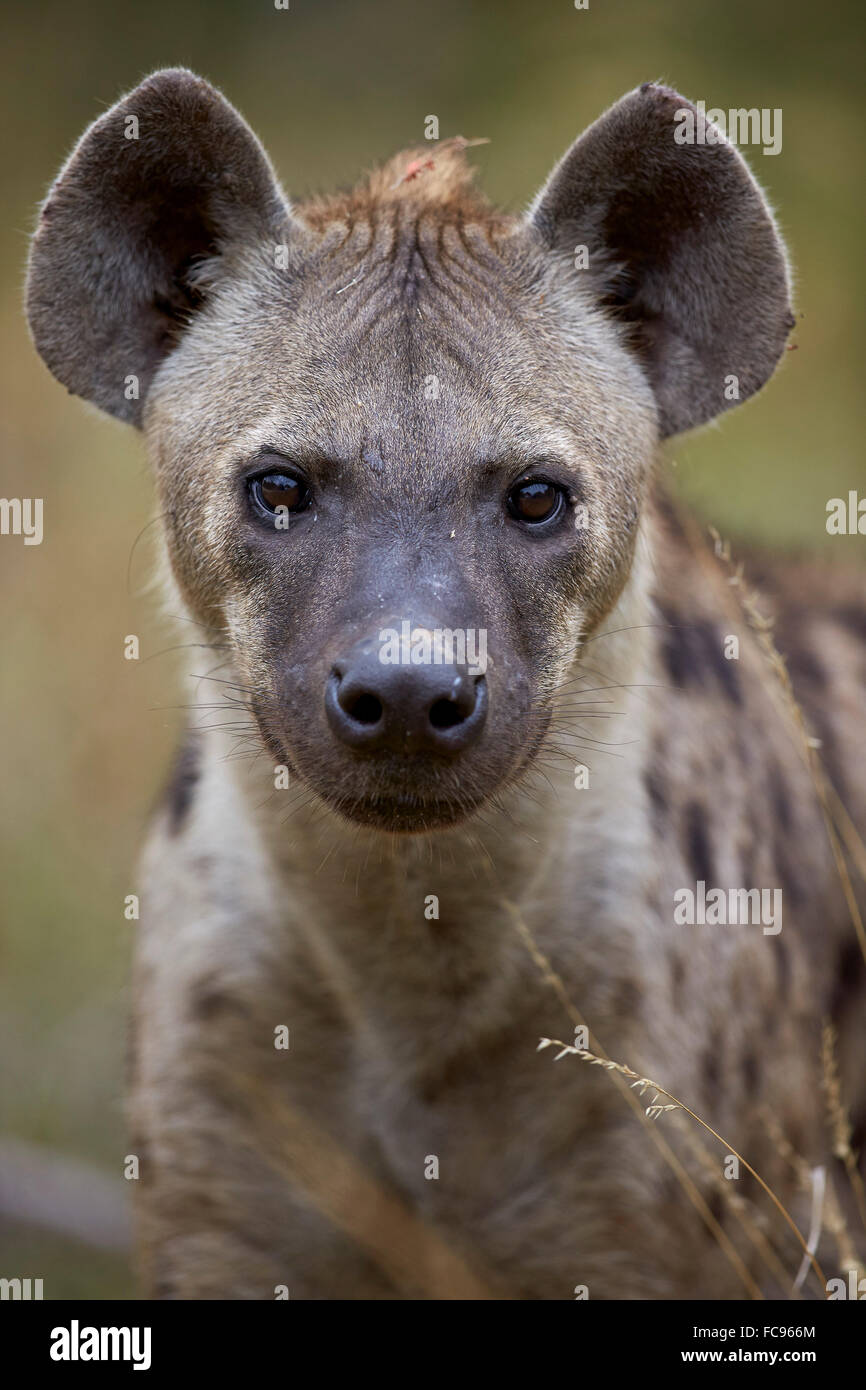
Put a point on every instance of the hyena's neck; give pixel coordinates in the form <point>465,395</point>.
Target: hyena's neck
<point>434,919</point>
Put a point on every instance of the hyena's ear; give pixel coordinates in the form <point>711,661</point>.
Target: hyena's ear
<point>169,178</point>
<point>679,239</point>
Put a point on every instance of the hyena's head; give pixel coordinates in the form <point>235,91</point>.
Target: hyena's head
<point>398,413</point>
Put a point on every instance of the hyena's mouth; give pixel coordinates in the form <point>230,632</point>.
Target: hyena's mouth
<point>400,795</point>
<point>411,796</point>
<point>406,814</point>
<point>403,796</point>
<point>418,808</point>
<point>402,791</point>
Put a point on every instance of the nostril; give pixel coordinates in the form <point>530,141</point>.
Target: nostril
<point>364,708</point>
<point>457,707</point>
<point>356,715</point>
<point>372,706</point>
<point>361,706</point>
<point>444,714</point>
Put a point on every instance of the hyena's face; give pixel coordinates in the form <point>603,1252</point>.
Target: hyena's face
<point>402,442</point>
<point>392,440</point>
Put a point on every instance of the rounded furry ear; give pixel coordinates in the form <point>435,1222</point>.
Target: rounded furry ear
<point>167,179</point>
<point>681,244</point>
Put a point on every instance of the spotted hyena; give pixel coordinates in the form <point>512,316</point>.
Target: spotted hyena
<point>505,732</point>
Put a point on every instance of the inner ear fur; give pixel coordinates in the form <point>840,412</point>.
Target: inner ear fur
<point>170,177</point>
<point>681,246</point>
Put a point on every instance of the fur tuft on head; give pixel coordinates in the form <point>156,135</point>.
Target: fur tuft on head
<point>424,176</point>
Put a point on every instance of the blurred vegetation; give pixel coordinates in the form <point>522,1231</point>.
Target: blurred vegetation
<point>331,87</point>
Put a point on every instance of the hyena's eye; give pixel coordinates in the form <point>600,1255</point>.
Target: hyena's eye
<point>278,489</point>
<point>536,500</point>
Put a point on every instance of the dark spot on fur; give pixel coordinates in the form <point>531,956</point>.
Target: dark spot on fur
<point>678,981</point>
<point>858,1133</point>
<point>678,656</point>
<point>208,1000</point>
<point>726,671</point>
<point>798,1135</point>
<point>781,799</point>
<point>749,858</point>
<point>182,783</point>
<point>750,1070</point>
<point>694,656</point>
<point>850,980</point>
<point>669,1190</point>
<point>711,1064</point>
<point>628,1001</point>
<point>804,667</point>
<point>698,843</point>
<point>852,617</point>
<point>657,793</point>
<point>794,888</point>
<point>783,966</point>
<point>716,1204</point>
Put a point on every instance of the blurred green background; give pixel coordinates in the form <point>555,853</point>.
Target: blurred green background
<point>331,87</point>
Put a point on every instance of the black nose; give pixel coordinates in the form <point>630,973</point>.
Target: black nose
<point>371,705</point>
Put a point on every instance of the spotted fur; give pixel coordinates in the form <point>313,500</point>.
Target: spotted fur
<point>318,334</point>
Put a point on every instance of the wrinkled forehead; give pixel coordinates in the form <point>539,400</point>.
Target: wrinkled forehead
<point>421,326</point>
<point>405,344</point>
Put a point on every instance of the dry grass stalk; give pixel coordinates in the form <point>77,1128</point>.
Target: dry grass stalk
<point>834,1221</point>
<point>752,1220</point>
<point>638,1082</point>
<point>834,1218</point>
<point>552,979</point>
<point>819,1189</point>
<point>676,1104</point>
<point>837,1114</point>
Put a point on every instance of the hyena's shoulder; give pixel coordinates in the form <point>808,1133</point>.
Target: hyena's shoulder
<point>733,802</point>
<point>818,611</point>
<point>730,788</point>
<point>816,616</point>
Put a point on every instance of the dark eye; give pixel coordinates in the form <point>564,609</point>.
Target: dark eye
<point>535,500</point>
<point>279,489</point>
